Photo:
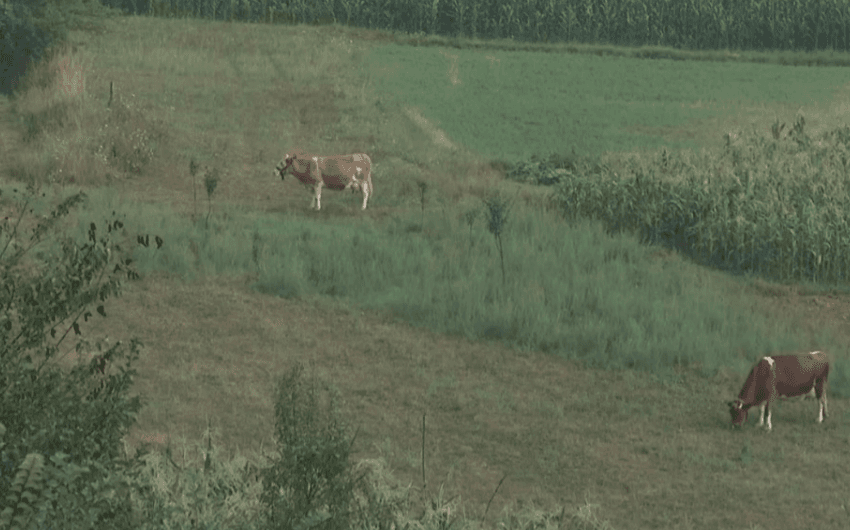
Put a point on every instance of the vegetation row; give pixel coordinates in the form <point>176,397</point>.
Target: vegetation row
<point>772,206</point>
<point>561,287</point>
<point>716,24</point>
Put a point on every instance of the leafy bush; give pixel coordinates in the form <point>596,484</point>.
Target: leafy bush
<point>127,140</point>
<point>310,484</point>
<point>21,44</point>
<point>545,171</point>
<point>73,417</point>
<point>29,28</point>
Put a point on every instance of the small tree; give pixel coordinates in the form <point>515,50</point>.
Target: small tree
<point>74,418</point>
<point>310,485</point>
<point>210,183</point>
<point>422,187</point>
<point>469,217</point>
<point>193,170</point>
<point>497,218</point>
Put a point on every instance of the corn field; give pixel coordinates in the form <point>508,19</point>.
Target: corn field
<point>777,207</point>
<point>689,24</point>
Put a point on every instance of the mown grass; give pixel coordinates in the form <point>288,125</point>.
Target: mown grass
<point>584,103</point>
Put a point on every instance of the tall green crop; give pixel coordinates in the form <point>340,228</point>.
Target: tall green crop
<point>778,208</point>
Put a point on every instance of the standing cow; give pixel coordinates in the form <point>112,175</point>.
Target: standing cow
<point>338,172</point>
<point>782,376</point>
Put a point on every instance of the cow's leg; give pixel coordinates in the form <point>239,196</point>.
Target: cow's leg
<point>365,186</point>
<point>316,174</point>
<point>761,413</point>
<point>772,392</point>
<point>820,388</point>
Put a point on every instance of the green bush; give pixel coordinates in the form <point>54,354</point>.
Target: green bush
<point>21,44</point>
<point>310,484</point>
<point>72,416</point>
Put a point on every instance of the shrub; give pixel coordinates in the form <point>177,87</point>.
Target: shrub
<point>21,44</point>
<point>72,417</point>
<point>310,483</point>
<point>127,140</point>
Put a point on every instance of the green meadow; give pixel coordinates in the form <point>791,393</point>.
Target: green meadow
<point>586,369</point>
<point>583,103</point>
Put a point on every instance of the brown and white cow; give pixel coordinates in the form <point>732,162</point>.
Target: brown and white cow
<point>338,172</point>
<point>782,376</point>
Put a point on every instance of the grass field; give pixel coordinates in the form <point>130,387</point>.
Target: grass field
<point>585,103</point>
<point>596,373</point>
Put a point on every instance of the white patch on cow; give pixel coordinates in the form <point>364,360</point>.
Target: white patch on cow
<point>355,184</point>
<point>814,352</point>
<point>766,404</point>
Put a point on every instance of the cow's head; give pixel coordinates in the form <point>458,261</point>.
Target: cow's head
<point>284,164</point>
<point>738,412</point>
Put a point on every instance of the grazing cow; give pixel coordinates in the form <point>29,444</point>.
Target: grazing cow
<point>339,172</point>
<point>782,376</point>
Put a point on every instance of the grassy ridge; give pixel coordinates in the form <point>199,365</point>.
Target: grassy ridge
<point>573,290</point>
